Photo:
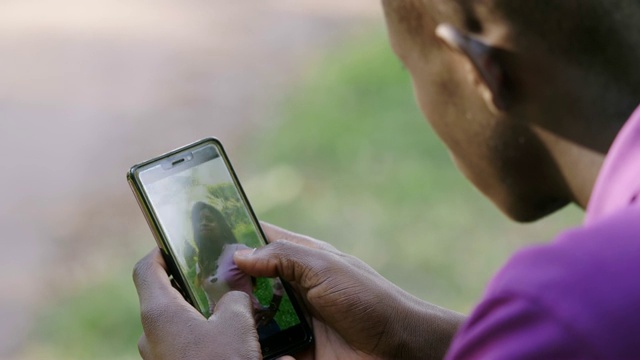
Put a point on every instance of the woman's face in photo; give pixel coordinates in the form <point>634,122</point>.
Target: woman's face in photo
<point>208,227</point>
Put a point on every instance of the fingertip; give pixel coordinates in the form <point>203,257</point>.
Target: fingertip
<point>235,297</point>
<point>257,262</point>
<point>156,256</point>
<point>152,257</point>
<point>141,268</point>
<point>243,254</point>
<point>151,279</point>
<point>234,304</point>
<point>244,259</point>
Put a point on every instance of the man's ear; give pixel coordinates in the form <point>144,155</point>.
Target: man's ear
<point>485,65</point>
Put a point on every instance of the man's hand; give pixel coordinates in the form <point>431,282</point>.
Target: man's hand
<point>356,312</point>
<point>173,329</point>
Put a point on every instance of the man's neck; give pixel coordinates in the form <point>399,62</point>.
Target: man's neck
<point>595,124</point>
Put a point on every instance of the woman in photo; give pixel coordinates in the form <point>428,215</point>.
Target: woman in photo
<point>216,272</point>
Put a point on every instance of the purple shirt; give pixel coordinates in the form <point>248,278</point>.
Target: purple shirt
<point>579,296</point>
<point>228,277</point>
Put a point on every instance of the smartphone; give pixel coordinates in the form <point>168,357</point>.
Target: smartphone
<point>200,216</point>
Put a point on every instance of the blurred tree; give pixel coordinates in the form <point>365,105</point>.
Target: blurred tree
<point>224,196</point>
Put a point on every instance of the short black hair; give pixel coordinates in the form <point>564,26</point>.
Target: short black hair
<point>592,33</point>
<point>598,34</point>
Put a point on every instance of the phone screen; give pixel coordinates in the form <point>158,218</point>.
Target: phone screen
<point>205,218</point>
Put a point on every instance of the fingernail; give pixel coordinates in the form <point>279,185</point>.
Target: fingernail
<point>245,253</point>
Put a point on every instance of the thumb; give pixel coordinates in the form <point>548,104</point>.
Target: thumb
<point>234,307</point>
<point>291,261</point>
<point>232,320</point>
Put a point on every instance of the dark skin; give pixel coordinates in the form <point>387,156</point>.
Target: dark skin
<point>331,284</point>
<point>384,321</point>
<point>166,315</point>
<point>528,126</point>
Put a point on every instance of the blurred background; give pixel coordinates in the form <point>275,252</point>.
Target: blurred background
<point>316,114</point>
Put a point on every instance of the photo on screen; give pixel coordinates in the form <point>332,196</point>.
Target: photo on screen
<point>205,220</point>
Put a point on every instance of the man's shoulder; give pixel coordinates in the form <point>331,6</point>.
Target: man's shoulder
<point>585,278</point>
<point>606,249</point>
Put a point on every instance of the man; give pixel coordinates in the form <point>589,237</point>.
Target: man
<point>529,97</point>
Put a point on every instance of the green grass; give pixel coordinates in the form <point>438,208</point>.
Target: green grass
<point>100,321</point>
<point>352,162</point>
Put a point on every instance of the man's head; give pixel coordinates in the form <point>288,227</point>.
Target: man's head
<point>526,94</point>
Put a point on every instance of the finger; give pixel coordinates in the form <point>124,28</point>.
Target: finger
<point>233,315</point>
<point>160,304</point>
<point>236,305</point>
<point>274,233</point>
<point>291,261</point>
<point>151,279</point>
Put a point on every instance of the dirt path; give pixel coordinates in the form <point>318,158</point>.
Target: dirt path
<point>89,88</point>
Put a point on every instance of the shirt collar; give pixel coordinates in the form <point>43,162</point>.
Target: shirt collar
<point>618,184</point>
